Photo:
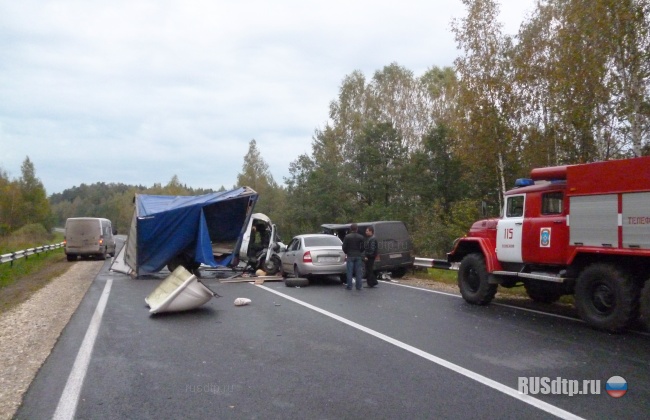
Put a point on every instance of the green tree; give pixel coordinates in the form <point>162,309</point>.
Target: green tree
<point>256,175</point>
<point>628,72</point>
<point>436,185</point>
<point>8,211</point>
<point>435,174</point>
<point>583,80</point>
<point>484,112</point>
<point>440,87</point>
<point>318,187</point>
<point>395,96</point>
<point>350,112</point>
<point>34,207</point>
<point>376,167</point>
<point>174,187</point>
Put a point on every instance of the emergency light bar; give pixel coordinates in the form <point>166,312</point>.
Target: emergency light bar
<point>524,182</point>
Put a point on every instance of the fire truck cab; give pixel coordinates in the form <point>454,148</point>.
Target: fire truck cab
<point>576,229</point>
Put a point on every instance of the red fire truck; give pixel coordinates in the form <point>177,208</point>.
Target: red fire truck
<point>577,229</point>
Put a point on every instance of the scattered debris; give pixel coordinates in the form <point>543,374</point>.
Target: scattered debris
<point>242,301</point>
<point>180,291</point>
<point>242,279</point>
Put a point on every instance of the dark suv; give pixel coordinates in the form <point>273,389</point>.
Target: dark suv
<point>395,245</point>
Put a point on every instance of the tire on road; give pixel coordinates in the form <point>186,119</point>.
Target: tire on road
<point>473,280</point>
<point>296,282</point>
<point>645,304</point>
<point>607,297</point>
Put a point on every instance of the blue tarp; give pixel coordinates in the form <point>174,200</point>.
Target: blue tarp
<point>167,226</point>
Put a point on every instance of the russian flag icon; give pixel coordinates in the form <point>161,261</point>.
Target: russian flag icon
<point>616,386</point>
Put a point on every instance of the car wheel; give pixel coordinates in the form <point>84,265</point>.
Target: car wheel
<point>71,257</point>
<point>296,282</point>
<point>272,266</point>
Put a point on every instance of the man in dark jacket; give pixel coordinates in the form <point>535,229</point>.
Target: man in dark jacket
<point>369,256</point>
<point>353,249</point>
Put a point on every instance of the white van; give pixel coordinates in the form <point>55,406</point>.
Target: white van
<point>89,236</point>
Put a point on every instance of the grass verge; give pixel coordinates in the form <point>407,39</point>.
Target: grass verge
<point>10,274</point>
<point>18,280</point>
<point>27,276</point>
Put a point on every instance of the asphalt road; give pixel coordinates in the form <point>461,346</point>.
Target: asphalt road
<point>321,352</point>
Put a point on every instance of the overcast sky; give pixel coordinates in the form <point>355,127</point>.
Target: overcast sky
<point>138,91</point>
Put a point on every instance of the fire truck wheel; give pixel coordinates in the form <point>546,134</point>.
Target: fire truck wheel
<point>607,297</point>
<point>473,280</point>
<point>645,304</point>
<point>542,291</point>
<point>296,282</point>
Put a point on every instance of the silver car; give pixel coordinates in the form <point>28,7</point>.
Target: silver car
<point>314,255</point>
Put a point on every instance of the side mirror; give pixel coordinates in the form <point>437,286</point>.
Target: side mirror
<point>114,231</point>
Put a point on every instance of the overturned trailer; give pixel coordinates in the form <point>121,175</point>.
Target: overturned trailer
<point>169,231</point>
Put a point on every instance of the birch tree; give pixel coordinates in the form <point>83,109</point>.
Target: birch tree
<point>484,116</point>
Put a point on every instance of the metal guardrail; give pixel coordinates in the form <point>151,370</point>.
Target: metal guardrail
<point>433,263</point>
<point>25,253</point>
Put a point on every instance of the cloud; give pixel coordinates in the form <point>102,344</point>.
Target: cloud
<point>137,91</point>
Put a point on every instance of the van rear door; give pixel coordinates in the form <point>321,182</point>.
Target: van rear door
<point>395,246</point>
<point>82,235</point>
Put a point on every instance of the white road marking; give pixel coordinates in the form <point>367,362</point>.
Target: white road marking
<point>568,318</point>
<point>493,303</point>
<point>551,409</point>
<point>70,397</point>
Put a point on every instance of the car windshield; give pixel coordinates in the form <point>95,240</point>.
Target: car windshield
<point>327,240</point>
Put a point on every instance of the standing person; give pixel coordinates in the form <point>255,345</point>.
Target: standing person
<point>353,249</point>
<point>369,256</point>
